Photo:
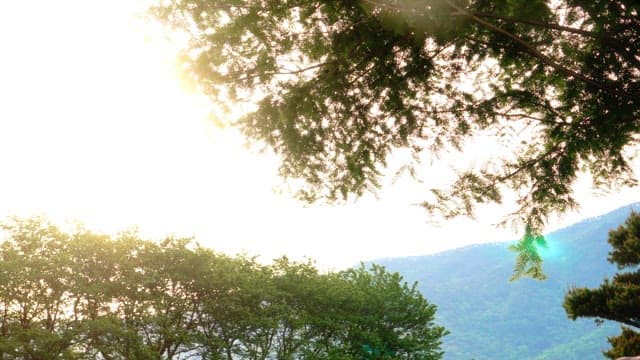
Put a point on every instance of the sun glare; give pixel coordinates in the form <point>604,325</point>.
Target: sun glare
<point>94,119</point>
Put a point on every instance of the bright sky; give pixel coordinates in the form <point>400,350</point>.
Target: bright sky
<point>95,126</point>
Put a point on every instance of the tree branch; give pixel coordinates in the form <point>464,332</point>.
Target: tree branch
<point>530,49</point>
<point>538,23</point>
<point>614,43</point>
<point>287,72</point>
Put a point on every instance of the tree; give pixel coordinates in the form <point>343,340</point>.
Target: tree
<point>145,300</point>
<point>390,319</point>
<point>338,85</point>
<point>221,315</point>
<point>34,292</point>
<point>617,299</point>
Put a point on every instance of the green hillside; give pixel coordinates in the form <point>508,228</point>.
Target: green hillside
<point>492,318</point>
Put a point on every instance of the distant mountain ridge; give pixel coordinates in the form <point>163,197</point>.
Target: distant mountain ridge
<point>492,318</point>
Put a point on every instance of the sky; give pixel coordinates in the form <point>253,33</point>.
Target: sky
<point>96,126</point>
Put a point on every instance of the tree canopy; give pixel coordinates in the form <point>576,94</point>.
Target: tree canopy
<point>617,299</point>
<point>84,295</point>
<point>338,85</point>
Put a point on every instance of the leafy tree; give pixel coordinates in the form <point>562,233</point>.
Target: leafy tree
<point>617,299</point>
<point>295,288</point>
<point>341,84</point>
<point>171,269</point>
<point>34,292</point>
<point>95,282</point>
<point>389,318</point>
<point>148,306</point>
<point>221,311</point>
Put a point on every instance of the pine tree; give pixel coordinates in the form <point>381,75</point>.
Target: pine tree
<point>617,299</point>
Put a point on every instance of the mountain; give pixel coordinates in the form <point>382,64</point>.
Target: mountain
<point>492,318</point>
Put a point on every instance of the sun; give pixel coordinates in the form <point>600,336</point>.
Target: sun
<point>94,122</point>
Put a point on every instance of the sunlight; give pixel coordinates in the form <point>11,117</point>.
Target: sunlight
<point>94,108</point>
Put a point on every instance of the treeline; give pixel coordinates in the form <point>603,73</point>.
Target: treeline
<point>84,295</point>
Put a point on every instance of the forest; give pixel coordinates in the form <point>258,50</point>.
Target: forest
<point>85,295</point>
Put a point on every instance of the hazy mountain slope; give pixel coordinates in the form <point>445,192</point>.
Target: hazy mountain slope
<point>492,318</point>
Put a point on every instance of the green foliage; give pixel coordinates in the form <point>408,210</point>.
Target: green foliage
<point>86,296</point>
<point>626,343</point>
<point>340,84</point>
<point>625,241</point>
<point>529,261</point>
<point>34,292</point>
<point>385,303</point>
<point>617,299</point>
